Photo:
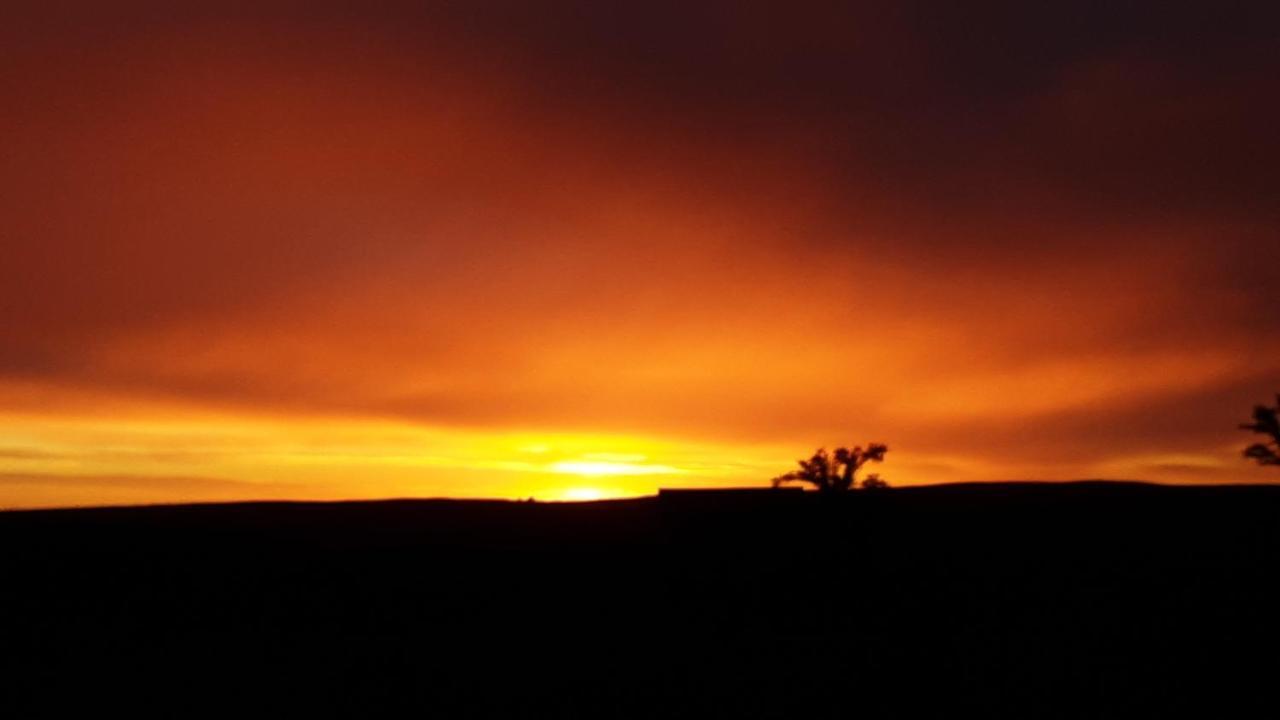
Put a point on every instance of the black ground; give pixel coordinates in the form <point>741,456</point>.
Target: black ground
<point>1080,600</point>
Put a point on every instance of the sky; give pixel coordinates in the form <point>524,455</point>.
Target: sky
<point>574,249</point>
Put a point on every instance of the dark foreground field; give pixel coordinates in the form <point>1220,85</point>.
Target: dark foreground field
<point>1083,600</point>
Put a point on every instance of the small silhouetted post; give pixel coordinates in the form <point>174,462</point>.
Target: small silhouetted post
<point>1266,421</point>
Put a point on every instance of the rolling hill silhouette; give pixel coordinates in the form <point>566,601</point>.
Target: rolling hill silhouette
<point>1019,600</point>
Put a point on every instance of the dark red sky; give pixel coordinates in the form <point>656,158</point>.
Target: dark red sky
<point>491,248</point>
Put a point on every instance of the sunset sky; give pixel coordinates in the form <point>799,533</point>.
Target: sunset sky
<point>572,249</point>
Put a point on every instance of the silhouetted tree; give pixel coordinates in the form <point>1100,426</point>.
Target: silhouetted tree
<point>1266,421</point>
<point>837,472</point>
<point>874,482</point>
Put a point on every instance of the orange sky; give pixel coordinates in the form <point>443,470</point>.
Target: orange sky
<point>327,251</point>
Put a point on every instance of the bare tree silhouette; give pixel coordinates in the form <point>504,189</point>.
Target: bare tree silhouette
<point>874,482</point>
<point>838,472</point>
<point>1266,421</point>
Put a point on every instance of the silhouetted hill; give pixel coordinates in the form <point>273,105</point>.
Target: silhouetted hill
<point>1019,600</point>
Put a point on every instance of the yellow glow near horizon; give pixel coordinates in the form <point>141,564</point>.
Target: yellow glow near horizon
<point>130,455</point>
<point>181,455</point>
<point>600,468</point>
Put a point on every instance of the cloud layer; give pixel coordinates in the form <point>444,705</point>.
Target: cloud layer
<point>1010,241</point>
